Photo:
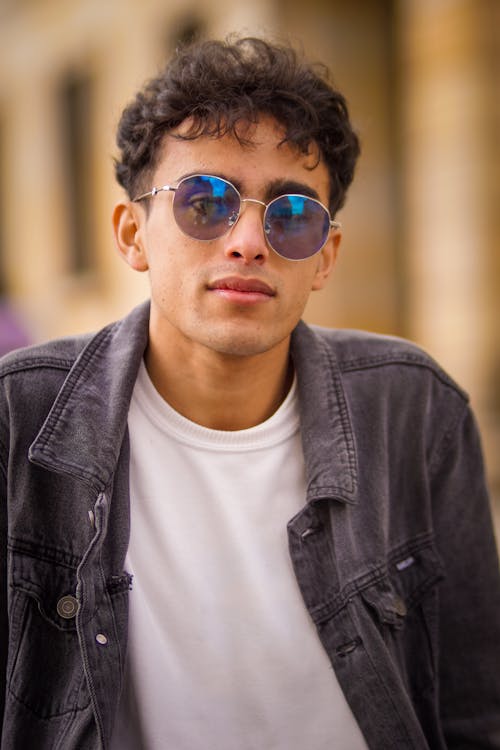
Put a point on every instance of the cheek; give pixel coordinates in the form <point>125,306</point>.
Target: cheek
<point>296,293</point>
<point>174,275</point>
<point>164,275</point>
<point>303,280</point>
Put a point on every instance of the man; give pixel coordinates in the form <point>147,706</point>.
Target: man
<point>222,528</point>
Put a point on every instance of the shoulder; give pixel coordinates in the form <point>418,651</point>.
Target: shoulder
<point>59,354</point>
<point>31,377</point>
<point>389,388</point>
<point>381,356</point>
<point>38,371</point>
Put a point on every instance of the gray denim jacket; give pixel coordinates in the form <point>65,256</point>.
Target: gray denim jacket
<point>393,550</point>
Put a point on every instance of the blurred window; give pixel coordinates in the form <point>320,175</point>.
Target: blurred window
<point>3,180</point>
<point>77,122</point>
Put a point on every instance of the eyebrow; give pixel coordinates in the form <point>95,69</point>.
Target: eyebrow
<point>274,189</point>
<point>289,187</point>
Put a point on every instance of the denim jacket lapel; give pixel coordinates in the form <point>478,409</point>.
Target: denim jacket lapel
<point>327,435</point>
<point>83,433</point>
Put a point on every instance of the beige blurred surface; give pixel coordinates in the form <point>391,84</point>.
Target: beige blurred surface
<point>420,251</point>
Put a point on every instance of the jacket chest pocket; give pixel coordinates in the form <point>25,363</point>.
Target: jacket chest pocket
<point>404,606</point>
<point>45,669</point>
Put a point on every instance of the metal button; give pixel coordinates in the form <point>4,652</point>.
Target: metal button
<point>67,607</point>
<point>311,530</point>
<point>101,639</point>
<point>347,648</point>
<point>400,606</point>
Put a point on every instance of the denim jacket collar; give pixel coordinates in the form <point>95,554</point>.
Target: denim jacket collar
<point>88,419</point>
<point>89,415</point>
<point>324,422</point>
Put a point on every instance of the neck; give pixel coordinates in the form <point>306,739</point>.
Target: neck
<point>220,391</point>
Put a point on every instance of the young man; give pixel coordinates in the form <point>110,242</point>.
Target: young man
<point>222,528</point>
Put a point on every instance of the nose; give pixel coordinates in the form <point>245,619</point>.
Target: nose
<point>246,239</point>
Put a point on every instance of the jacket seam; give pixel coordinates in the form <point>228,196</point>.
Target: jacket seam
<point>47,554</point>
<point>382,679</point>
<point>345,421</point>
<point>37,363</point>
<point>447,440</point>
<point>22,366</point>
<point>73,379</point>
<point>371,577</point>
<point>38,714</point>
<point>3,465</point>
<point>75,470</point>
<point>366,363</point>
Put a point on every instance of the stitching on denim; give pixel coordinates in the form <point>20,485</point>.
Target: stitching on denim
<point>81,585</point>
<point>37,713</point>
<point>45,553</point>
<point>329,609</point>
<point>121,660</point>
<point>72,469</point>
<point>447,440</point>
<point>378,673</point>
<point>3,465</point>
<point>332,492</point>
<point>71,716</point>
<point>23,365</point>
<point>401,358</point>
<point>417,543</point>
<point>74,379</point>
<point>35,363</point>
<point>343,414</point>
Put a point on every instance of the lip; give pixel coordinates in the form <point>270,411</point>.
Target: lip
<point>242,291</point>
<point>242,285</point>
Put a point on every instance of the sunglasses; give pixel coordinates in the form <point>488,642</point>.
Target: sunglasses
<point>206,207</point>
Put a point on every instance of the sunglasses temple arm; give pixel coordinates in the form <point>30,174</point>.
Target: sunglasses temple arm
<point>152,192</point>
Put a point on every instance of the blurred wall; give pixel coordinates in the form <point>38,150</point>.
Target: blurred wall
<point>420,250</point>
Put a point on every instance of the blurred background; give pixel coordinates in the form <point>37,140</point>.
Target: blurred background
<point>420,256</point>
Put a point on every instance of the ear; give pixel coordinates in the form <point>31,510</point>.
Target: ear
<point>128,219</point>
<point>326,260</point>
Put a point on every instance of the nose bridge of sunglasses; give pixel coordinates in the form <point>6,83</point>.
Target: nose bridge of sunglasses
<point>236,214</point>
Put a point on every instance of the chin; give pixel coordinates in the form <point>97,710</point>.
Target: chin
<point>241,348</point>
<point>242,345</point>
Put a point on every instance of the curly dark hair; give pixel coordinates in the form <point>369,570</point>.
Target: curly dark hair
<point>224,85</point>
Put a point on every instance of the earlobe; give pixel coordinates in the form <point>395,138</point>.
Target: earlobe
<point>126,226</point>
<point>326,261</point>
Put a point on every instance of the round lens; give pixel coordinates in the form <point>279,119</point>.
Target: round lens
<point>204,206</point>
<point>296,226</point>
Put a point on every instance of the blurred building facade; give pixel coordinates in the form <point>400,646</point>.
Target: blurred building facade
<point>420,252</point>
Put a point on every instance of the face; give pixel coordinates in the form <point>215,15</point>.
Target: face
<point>232,295</point>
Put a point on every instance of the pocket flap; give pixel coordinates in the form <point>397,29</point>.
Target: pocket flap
<point>51,584</point>
<point>412,571</point>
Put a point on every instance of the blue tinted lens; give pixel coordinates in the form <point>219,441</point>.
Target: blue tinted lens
<point>205,207</point>
<point>296,226</point>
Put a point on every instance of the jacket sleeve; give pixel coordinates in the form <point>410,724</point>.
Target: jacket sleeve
<point>469,656</point>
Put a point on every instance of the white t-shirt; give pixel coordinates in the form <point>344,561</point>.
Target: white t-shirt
<point>222,652</point>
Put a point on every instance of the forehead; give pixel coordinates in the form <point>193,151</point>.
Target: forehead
<point>253,163</point>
